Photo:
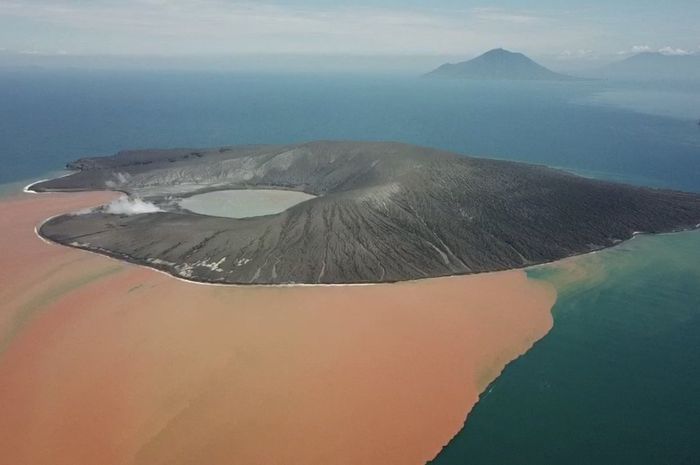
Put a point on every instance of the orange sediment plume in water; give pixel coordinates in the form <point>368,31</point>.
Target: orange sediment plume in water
<point>105,363</point>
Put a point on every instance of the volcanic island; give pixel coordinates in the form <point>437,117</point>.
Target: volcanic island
<point>361,212</point>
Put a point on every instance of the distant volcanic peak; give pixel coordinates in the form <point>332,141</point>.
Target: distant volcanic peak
<point>499,64</point>
<point>500,53</point>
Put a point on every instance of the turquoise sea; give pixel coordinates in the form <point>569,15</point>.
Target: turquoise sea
<point>617,379</point>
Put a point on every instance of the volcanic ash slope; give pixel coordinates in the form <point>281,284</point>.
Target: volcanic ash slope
<point>383,212</point>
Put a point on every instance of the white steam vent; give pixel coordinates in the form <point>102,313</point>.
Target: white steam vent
<point>125,205</point>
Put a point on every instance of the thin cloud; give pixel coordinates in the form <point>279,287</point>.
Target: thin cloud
<point>668,50</point>
<point>640,48</point>
<point>235,27</point>
<point>674,51</point>
<point>218,26</point>
<point>504,16</point>
<point>576,54</point>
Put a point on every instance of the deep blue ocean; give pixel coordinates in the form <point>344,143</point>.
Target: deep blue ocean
<point>616,381</point>
<point>640,133</point>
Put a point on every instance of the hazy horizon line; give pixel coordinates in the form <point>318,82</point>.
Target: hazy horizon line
<point>295,62</point>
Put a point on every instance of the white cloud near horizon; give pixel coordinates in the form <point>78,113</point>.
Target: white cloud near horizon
<point>674,51</point>
<point>667,50</point>
<point>640,48</point>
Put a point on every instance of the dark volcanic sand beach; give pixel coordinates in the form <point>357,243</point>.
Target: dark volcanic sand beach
<point>111,363</point>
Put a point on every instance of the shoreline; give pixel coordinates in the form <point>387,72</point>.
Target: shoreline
<point>28,188</point>
<point>170,268</point>
<point>416,225</point>
<point>126,259</point>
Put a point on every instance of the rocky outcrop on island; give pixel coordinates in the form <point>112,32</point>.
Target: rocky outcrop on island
<point>499,64</point>
<point>382,212</point>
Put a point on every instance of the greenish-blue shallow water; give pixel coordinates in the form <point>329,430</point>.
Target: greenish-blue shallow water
<point>616,381</point>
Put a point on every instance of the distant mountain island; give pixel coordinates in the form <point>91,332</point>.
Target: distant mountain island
<point>654,65</point>
<point>499,64</point>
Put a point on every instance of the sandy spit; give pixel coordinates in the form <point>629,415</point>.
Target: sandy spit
<point>103,362</point>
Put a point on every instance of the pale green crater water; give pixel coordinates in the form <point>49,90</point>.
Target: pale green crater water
<point>243,203</point>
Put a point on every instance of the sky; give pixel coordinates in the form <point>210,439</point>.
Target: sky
<point>563,30</point>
